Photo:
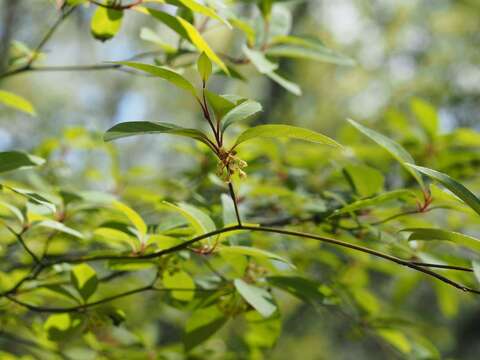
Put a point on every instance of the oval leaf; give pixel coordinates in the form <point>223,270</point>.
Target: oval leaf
<point>84,279</point>
<point>16,102</point>
<point>260,299</point>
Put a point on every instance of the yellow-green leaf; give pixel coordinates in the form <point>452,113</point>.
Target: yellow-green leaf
<point>16,102</point>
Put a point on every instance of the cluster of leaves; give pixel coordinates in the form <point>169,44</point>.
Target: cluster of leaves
<point>87,273</point>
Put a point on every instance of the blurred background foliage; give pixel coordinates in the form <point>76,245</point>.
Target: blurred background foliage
<point>416,79</point>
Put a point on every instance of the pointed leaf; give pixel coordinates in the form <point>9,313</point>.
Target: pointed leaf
<point>134,218</point>
<point>204,66</point>
<point>260,299</point>
<point>439,234</point>
<point>286,84</point>
<point>287,131</point>
<point>12,160</point>
<point>259,60</point>
<point>58,226</point>
<point>17,102</point>
<point>200,221</point>
<point>162,72</point>
<point>84,279</point>
<point>395,149</point>
<point>451,184</point>
<point>253,252</point>
<point>241,112</point>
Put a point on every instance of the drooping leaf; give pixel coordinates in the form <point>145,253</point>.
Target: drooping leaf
<point>258,59</point>
<point>12,160</point>
<point>253,252</point>
<point>162,72</point>
<point>451,184</point>
<point>84,279</point>
<point>106,23</point>
<point>203,323</point>
<point>260,299</point>
<point>134,128</point>
<point>182,283</point>
<point>17,102</point>
<point>440,234</point>
<point>286,84</point>
<point>285,131</point>
<point>241,112</point>
<point>395,149</point>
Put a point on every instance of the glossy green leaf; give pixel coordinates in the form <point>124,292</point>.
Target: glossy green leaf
<point>440,234</point>
<point>395,149</point>
<point>285,131</point>
<point>453,185</point>
<point>106,23</point>
<point>203,323</point>
<point>13,160</point>
<point>162,72</point>
<point>84,279</point>
<point>182,283</point>
<point>17,102</point>
<point>199,220</point>
<point>260,299</point>
<point>134,128</point>
<point>241,112</point>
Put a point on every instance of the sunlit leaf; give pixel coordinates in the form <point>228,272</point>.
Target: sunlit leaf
<point>204,66</point>
<point>285,131</point>
<point>58,226</point>
<point>106,23</point>
<point>258,59</point>
<point>134,218</point>
<point>17,102</point>
<point>182,283</point>
<point>241,112</point>
<point>260,299</point>
<point>84,279</point>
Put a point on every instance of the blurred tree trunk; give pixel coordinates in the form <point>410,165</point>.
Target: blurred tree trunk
<point>8,20</point>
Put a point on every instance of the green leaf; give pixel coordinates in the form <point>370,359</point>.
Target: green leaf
<point>202,325</point>
<point>476,270</point>
<point>134,218</point>
<point>287,131</point>
<point>396,338</point>
<point>241,112</point>
<point>395,149</point>
<point>84,279</point>
<point>258,59</point>
<point>204,66</point>
<point>162,72</point>
<point>12,160</point>
<point>427,115</point>
<point>171,21</point>
<point>286,84</point>
<point>439,234</point>
<point>106,23</point>
<point>204,10</point>
<point>306,48</point>
<point>253,252</point>
<point>304,289</point>
<point>451,184</point>
<point>62,326</point>
<point>374,201</point>
<point>200,221</point>
<point>17,102</point>
<point>58,226</point>
<point>365,180</point>
<point>246,28</point>
<point>151,36</point>
<point>134,128</point>
<point>182,283</point>
<point>32,197</point>
<point>260,299</point>
<point>220,104</point>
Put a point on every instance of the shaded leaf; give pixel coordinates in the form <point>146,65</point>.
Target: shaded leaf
<point>202,325</point>
<point>12,160</point>
<point>304,289</point>
<point>253,252</point>
<point>439,234</point>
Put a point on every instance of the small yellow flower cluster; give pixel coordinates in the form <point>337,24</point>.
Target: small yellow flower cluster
<point>230,164</point>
